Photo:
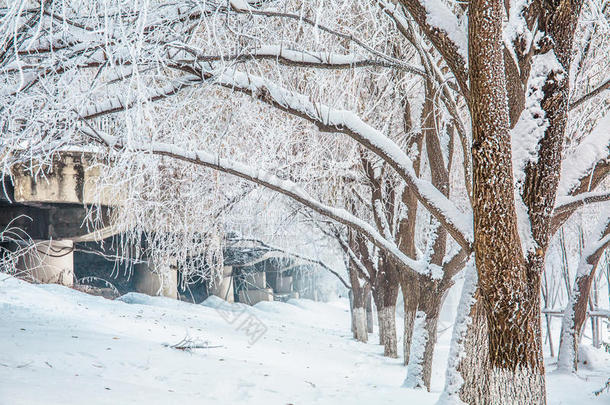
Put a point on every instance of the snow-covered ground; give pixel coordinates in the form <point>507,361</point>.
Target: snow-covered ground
<point>60,346</point>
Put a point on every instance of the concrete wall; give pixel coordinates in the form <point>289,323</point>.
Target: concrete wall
<point>70,181</point>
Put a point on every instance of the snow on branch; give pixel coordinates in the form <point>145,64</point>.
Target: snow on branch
<point>598,241</point>
<point>533,123</point>
<point>440,17</point>
<point>594,148</point>
<point>602,87</point>
<point>442,28</point>
<point>360,267</point>
<point>570,203</point>
<point>241,6</point>
<point>262,178</point>
<point>457,223</point>
<point>518,37</point>
<point>119,103</point>
<point>292,57</point>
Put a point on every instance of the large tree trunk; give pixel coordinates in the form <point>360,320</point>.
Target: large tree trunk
<point>509,287</point>
<point>359,324</point>
<point>387,330</point>
<point>471,375</point>
<point>474,366</point>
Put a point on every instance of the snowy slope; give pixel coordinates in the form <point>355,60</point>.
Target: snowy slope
<point>60,346</point>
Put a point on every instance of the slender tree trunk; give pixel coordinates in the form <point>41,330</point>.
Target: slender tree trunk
<point>419,371</point>
<point>359,324</point>
<point>351,311</point>
<point>410,294</point>
<point>567,358</point>
<point>357,306</point>
<point>576,310</point>
<point>385,294</point>
<point>431,307</point>
<point>387,323</point>
<point>378,298</point>
<point>369,312</point>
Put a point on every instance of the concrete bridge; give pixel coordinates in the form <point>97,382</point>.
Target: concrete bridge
<point>52,210</point>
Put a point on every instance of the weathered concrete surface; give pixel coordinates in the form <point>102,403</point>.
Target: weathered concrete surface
<point>223,286</point>
<point>49,262</point>
<point>256,280</point>
<point>54,206</point>
<point>70,180</point>
<point>284,284</point>
<point>156,280</point>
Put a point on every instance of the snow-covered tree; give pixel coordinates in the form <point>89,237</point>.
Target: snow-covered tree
<point>266,92</point>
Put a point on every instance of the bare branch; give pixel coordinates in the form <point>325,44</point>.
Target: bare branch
<point>291,57</point>
<point>298,256</point>
<point>604,86</point>
<point>450,50</point>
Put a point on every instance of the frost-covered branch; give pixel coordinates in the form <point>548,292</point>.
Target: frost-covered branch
<point>298,256</point>
<point>291,57</point>
<point>457,223</point>
<point>242,7</point>
<point>443,29</point>
<point>602,87</point>
<point>262,178</point>
<point>576,310</point>
<point>571,203</point>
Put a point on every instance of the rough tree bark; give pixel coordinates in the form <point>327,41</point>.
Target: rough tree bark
<point>475,362</point>
<point>515,373</point>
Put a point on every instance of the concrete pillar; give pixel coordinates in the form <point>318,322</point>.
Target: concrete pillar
<point>284,284</point>
<point>223,286</point>
<point>50,262</point>
<point>256,289</point>
<point>157,279</point>
<point>257,280</point>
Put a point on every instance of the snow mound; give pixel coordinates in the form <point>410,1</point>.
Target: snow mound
<point>591,358</point>
<point>161,302</point>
